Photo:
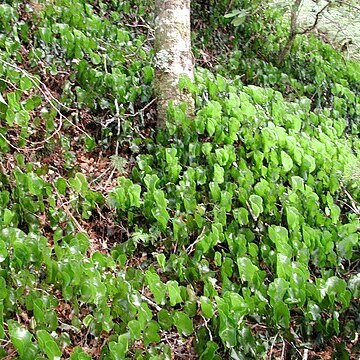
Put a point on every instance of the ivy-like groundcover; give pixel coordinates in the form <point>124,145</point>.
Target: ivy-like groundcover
<point>232,235</point>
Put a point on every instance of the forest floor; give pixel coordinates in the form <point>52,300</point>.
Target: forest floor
<point>341,24</point>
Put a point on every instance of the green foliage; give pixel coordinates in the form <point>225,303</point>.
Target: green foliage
<point>273,203</point>
<point>313,68</point>
<point>245,217</point>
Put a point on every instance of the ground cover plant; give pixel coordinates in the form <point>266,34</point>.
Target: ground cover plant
<point>233,235</point>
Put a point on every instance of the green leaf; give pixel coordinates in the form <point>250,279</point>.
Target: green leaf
<point>309,163</point>
<point>165,319</point>
<point>7,217</point>
<point>79,354</point>
<point>282,314</point>
<point>157,287</point>
<point>61,185</point>
<point>226,201</point>
<point>210,350</point>
<point>218,174</point>
<point>232,14</point>
<point>256,203</point>
<point>151,333</point>
<point>183,323</point>
<point>206,307</point>
<point>79,183</point>
<point>227,332</point>
<point>161,259</point>
<point>90,145</point>
<point>119,349</point>
<point>240,19</point>
<point>293,217</point>
<point>13,100</point>
<point>134,192</point>
<point>39,309</point>
<point>215,191</point>
<point>241,215</point>
<point>25,83</point>
<point>277,290</point>
<point>297,183</point>
<point>144,315</point>
<point>174,292</point>
<point>88,319</point>
<point>211,126</point>
<point>354,285</point>
<point>20,338</point>
<point>247,269</point>
<point>48,345</point>
<point>313,311</point>
<point>148,72</point>
<point>335,285</point>
<point>162,216</point>
<point>134,329</point>
<point>286,161</point>
<point>2,331</point>
<point>159,212</point>
<point>3,256</point>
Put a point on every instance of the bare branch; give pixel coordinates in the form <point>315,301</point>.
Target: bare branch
<point>317,18</point>
<point>352,6</point>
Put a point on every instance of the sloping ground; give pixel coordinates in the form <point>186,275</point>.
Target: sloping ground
<point>340,24</point>
<point>235,235</point>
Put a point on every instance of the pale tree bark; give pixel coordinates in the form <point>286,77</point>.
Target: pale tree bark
<point>173,57</point>
<point>294,31</point>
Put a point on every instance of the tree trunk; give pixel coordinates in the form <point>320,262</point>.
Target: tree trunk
<point>173,57</point>
<point>293,31</point>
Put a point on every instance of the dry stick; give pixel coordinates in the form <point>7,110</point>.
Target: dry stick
<point>35,81</point>
<point>141,110</point>
<point>33,142</point>
<point>190,248</point>
<point>112,119</point>
<point>294,347</point>
<point>353,203</point>
<point>346,36</point>
<point>140,25</point>
<point>45,93</point>
<point>10,83</point>
<point>306,354</point>
<point>272,345</point>
<point>47,139</point>
<point>150,302</point>
<point>68,212</point>
<point>2,169</point>
<point>294,33</point>
<point>67,327</point>
<point>251,211</point>
<point>100,176</point>
<point>116,116</point>
<point>207,327</point>
<point>52,135</point>
<point>317,18</point>
<point>19,149</point>
<point>341,2</point>
<point>350,207</point>
<point>283,351</point>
